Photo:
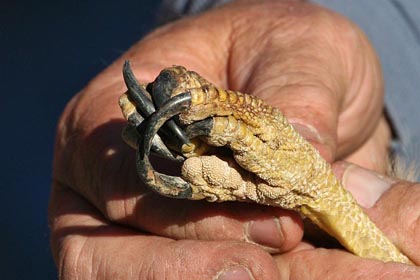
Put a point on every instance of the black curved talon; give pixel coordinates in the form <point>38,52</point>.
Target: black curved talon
<point>142,99</point>
<point>167,185</point>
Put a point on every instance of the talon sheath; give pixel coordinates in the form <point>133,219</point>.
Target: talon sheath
<point>144,104</point>
<point>141,98</point>
<point>164,184</point>
<point>131,131</point>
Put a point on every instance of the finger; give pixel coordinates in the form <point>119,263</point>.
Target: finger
<point>334,264</point>
<point>392,204</point>
<point>85,246</point>
<point>327,81</point>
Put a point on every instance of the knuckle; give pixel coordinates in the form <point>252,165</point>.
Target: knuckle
<point>256,259</point>
<point>234,253</point>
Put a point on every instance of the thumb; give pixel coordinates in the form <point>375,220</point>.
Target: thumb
<point>303,91</point>
<point>327,81</point>
<point>393,205</point>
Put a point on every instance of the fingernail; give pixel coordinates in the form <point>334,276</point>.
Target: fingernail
<point>323,144</point>
<point>366,186</point>
<point>265,232</point>
<point>308,132</point>
<point>235,273</point>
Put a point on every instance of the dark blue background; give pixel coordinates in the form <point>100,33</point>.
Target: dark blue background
<point>48,51</point>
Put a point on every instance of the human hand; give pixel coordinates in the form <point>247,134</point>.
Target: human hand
<point>89,247</point>
<point>315,66</point>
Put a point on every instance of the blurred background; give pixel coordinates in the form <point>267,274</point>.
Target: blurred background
<point>48,51</point>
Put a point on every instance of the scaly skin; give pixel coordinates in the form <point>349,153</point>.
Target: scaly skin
<point>278,167</point>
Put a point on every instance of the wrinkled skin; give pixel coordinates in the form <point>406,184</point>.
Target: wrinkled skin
<point>106,225</point>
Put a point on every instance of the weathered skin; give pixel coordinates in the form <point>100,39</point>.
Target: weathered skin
<point>277,166</point>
